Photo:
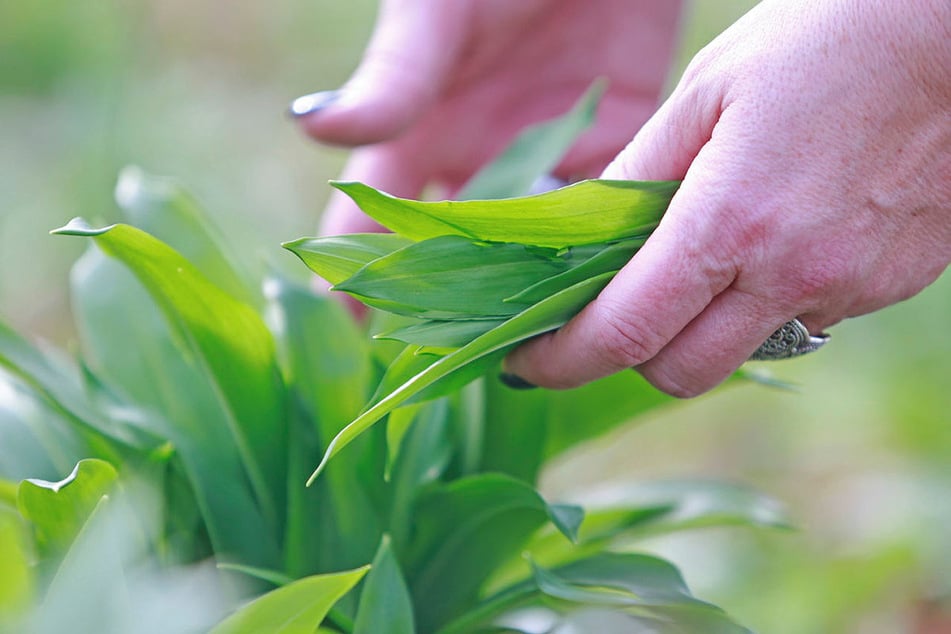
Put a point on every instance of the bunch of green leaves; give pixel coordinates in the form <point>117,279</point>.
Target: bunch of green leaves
<point>180,428</point>
<point>477,277</point>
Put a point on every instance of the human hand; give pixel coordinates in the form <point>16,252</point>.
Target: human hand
<point>446,84</point>
<point>814,143</point>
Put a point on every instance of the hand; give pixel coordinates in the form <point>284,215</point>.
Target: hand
<point>446,84</point>
<point>814,143</point>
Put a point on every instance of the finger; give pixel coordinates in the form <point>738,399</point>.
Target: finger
<point>680,269</point>
<point>667,283</point>
<point>667,144</point>
<point>384,167</point>
<point>405,64</point>
<point>715,343</point>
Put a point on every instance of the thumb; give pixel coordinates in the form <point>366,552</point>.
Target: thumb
<point>667,144</point>
<point>413,47</point>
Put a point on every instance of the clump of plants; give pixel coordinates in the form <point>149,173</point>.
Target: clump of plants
<point>152,479</point>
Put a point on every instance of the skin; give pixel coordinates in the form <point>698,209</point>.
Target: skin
<point>813,139</point>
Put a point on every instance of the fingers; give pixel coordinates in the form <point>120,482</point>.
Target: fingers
<point>381,166</point>
<point>650,301</point>
<point>405,64</point>
<point>670,281</point>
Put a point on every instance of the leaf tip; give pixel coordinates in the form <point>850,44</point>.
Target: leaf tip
<point>78,226</point>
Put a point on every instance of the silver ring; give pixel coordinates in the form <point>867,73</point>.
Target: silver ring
<point>791,340</point>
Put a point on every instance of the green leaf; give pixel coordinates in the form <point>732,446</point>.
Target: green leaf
<point>696,504</point>
<point>35,438</point>
<point>133,349</point>
<point>163,208</point>
<point>335,258</point>
<point>425,451</point>
<point>297,608</point>
<point>547,315</point>
<point>17,579</point>
<point>326,364</point>
<point>385,604</point>
<point>451,277</point>
<point>646,592</point>
<point>441,334</point>
<point>230,343</point>
<point>535,152</point>
<point>61,388</point>
<point>58,510</point>
<point>611,257</point>
<point>588,212</point>
<point>464,530</point>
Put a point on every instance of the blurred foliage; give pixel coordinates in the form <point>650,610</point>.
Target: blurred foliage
<point>861,453</point>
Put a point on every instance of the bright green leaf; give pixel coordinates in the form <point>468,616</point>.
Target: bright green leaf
<point>335,258</point>
<point>583,213</point>
<point>297,608</point>
<point>58,510</point>
<point>227,336</point>
<point>17,582</point>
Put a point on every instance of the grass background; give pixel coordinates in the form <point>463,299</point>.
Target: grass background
<point>197,90</point>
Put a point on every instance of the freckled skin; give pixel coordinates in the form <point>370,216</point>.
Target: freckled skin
<point>813,138</point>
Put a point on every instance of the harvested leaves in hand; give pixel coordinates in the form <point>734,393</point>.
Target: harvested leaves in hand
<point>479,276</point>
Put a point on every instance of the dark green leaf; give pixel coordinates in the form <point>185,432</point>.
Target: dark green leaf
<point>467,528</point>
<point>583,213</point>
<point>385,604</point>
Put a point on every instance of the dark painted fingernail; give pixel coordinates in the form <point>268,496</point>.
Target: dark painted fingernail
<point>516,382</point>
<point>312,102</point>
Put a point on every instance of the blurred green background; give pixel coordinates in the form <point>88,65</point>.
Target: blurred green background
<point>197,90</point>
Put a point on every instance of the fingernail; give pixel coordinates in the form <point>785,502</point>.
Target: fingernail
<point>312,102</point>
<point>515,382</point>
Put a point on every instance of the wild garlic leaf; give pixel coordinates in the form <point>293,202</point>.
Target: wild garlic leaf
<point>441,333</point>
<point>546,315</point>
<point>587,212</point>
<point>335,258</point>
<point>611,257</point>
<point>452,277</point>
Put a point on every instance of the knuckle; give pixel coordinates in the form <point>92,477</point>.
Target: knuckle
<point>622,342</point>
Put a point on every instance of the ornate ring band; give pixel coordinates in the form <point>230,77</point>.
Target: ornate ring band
<point>792,339</point>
